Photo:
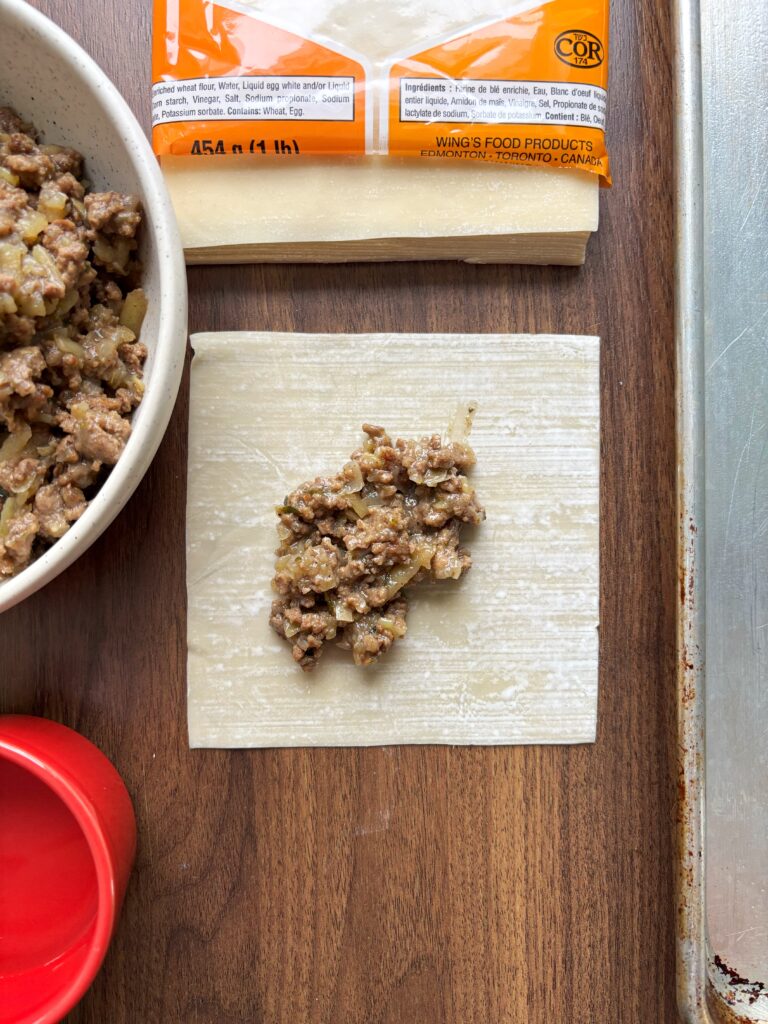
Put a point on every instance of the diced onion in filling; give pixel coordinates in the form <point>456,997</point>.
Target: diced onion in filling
<point>395,580</point>
<point>134,308</point>
<point>358,505</point>
<point>15,443</point>
<point>460,426</point>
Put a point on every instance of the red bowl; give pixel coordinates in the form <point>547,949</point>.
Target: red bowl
<point>67,843</point>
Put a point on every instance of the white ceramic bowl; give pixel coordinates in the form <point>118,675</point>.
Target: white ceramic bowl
<point>54,84</point>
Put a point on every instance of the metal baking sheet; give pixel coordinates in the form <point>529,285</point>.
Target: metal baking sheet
<point>722,326</point>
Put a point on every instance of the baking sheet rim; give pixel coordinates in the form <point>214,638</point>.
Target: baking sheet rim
<point>691,962</point>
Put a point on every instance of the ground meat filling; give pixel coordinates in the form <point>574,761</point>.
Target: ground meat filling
<point>70,359</point>
<point>350,544</point>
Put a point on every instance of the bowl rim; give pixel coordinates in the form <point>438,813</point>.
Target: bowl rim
<point>66,788</point>
<point>169,352</point>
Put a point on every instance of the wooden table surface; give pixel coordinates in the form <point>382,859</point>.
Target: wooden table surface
<point>508,885</point>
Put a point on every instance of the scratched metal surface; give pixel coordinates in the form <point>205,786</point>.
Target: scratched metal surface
<point>722,318</point>
<point>735,137</point>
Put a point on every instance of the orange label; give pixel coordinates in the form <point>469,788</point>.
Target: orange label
<point>226,82</point>
<point>529,89</point>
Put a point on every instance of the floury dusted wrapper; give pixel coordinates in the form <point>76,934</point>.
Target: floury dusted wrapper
<point>508,653</point>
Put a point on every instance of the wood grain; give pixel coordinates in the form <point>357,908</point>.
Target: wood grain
<point>396,884</point>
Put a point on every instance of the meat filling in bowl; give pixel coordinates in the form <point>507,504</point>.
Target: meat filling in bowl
<point>70,359</point>
<point>350,544</point>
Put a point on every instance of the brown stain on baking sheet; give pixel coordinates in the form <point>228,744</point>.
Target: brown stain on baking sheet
<point>720,1003</point>
<point>689,756</point>
<point>725,990</point>
<point>741,987</point>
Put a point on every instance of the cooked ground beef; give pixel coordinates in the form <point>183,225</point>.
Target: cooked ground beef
<point>350,544</point>
<point>70,359</point>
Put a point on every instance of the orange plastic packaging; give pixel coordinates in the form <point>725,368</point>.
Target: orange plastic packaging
<point>308,77</point>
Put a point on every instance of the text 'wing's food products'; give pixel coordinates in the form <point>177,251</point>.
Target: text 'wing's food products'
<point>332,131</point>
